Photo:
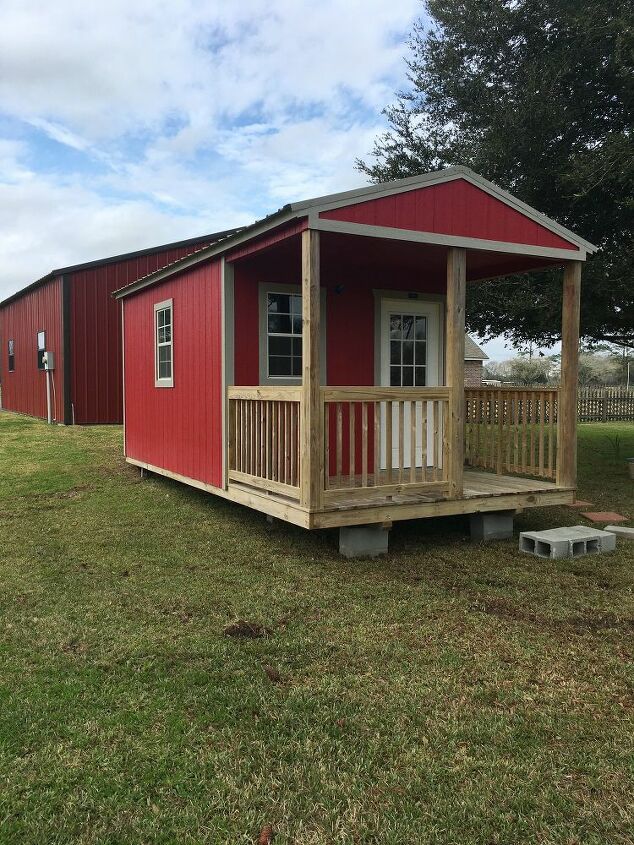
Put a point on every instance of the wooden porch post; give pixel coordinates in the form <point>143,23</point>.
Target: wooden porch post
<point>454,365</point>
<point>311,427</point>
<point>567,418</point>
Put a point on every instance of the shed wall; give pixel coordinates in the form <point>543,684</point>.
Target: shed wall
<point>96,383</point>
<point>177,428</point>
<point>350,314</point>
<point>24,390</point>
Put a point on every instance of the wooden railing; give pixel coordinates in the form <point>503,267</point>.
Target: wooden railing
<point>512,430</point>
<point>264,437</point>
<point>381,441</point>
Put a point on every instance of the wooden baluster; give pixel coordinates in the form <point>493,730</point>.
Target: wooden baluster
<point>352,445</point>
<point>412,442</point>
<point>401,440</point>
<point>500,433</point>
<point>478,425</point>
<point>287,450</point>
<point>551,433</point>
<point>436,461</point>
<point>364,444</point>
<point>271,446</point>
<point>531,417</point>
<point>280,443</point>
<point>524,430</point>
<point>389,443</point>
<point>509,429</point>
<point>377,441</point>
<point>541,433</point>
<point>443,410</point>
<point>423,426</point>
<point>339,455</point>
<point>327,407</point>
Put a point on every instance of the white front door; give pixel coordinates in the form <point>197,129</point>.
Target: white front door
<point>410,357</point>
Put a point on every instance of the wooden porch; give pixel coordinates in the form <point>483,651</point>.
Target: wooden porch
<point>510,453</point>
<point>323,456</point>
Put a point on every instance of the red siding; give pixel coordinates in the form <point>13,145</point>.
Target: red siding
<point>349,312</point>
<point>96,333</point>
<point>450,208</point>
<point>178,428</point>
<point>24,390</point>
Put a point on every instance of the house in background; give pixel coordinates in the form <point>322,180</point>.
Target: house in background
<point>474,358</point>
<point>71,314</point>
<point>312,365</point>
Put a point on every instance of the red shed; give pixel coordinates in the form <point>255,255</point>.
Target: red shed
<point>311,366</point>
<point>70,312</point>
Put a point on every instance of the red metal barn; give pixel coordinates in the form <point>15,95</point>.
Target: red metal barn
<point>70,312</point>
<point>311,366</point>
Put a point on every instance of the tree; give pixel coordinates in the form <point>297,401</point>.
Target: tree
<point>537,96</point>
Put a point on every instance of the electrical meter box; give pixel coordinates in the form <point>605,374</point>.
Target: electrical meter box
<point>49,360</point>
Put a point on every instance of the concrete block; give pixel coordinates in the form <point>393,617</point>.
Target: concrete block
<point>571,541</point>
<point>621,531</point>
<point>363,540</point>
<point>494,525</point>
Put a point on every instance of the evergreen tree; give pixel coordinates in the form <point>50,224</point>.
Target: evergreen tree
<point>538,97</point>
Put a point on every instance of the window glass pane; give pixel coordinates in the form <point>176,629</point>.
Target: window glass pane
<point>279,324</point>
<point>421,328</point>
<point>421,352</point>
<point>279,303</point>
<point>11,347</point>
<point>165,369</point>
<point>395,352</point>
<point>408,376</point>
<point>395,327</point>
<point>296,304</point>
<point>297,366</point>
<point>297,346</point>
<point>280,365</point>
<point>280,345</point>
<point>408,351</point>
<point>395,377</point>
<point>419,373</point>
<point>408,326</point>
<point>41,341</point>
<point>297,325</point>
<point>160,317</point>
<point>164,354</point>
<point>161,334</point>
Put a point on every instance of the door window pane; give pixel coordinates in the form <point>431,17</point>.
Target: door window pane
<point>408,350</point>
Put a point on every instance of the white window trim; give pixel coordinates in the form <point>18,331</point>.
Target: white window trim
<point>160,306</point>
<point>265,289</point>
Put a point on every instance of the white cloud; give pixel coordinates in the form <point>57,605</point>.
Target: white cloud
<point>186,116</point>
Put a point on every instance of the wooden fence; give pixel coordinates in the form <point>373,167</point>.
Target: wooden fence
<point>605,404</point>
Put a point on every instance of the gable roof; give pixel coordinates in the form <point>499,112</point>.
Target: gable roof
<point>312,208</point>
<point>100,262</point>
<point>472,351</point>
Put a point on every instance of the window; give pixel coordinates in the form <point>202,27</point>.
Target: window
<point>280,335</point>
<point>41,349</point>
<point>11,349</point>
<point>284,335</point>
<point>163,348</point>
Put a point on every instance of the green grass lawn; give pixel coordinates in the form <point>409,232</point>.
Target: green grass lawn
<point>450,693</point>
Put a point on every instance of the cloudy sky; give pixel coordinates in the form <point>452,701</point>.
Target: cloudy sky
<point>128,124</point>
<point>124,125</point>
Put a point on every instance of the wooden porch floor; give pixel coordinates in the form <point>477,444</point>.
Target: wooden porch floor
<point>482,491</point>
